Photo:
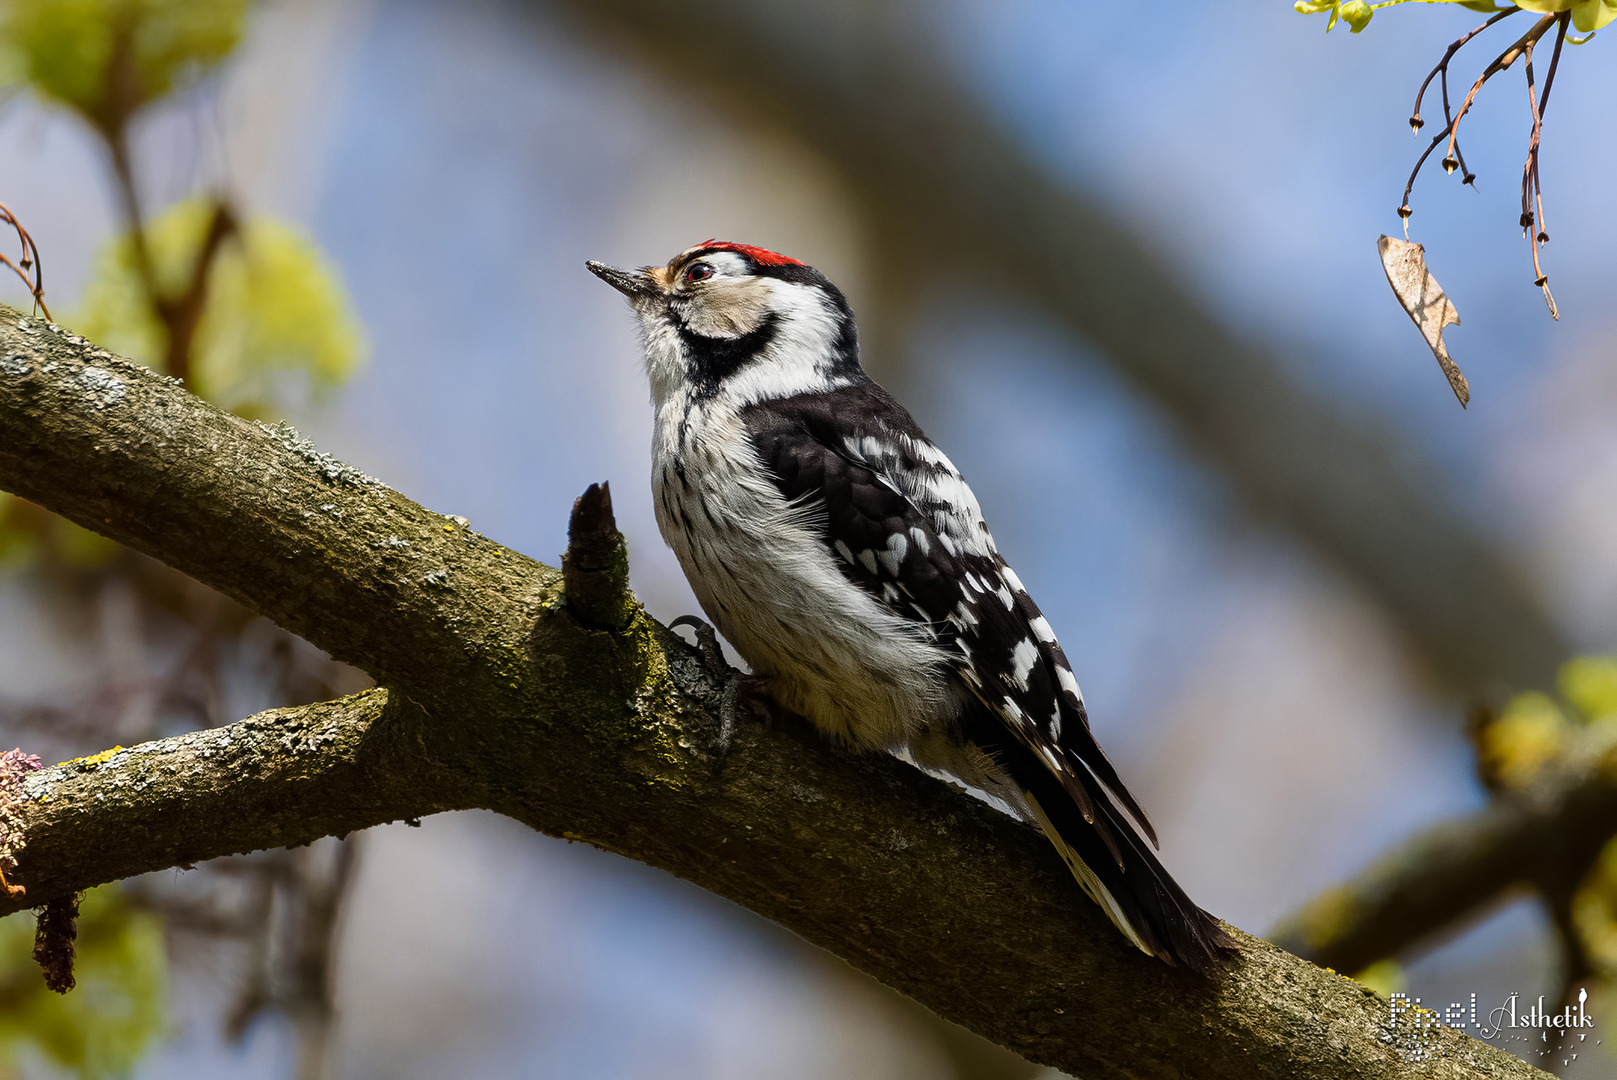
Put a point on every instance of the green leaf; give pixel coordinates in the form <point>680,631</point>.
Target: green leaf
<point>277,323</point>
<point>1357,14</point>
<point>1590,684</point>
<point>69,48</point>
<point>103,1026</point>
<point>1385,977</point>
<point>1530,734</point>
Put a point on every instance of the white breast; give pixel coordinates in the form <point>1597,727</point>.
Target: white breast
<point>767,581</point>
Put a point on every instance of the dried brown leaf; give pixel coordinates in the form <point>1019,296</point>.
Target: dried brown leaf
<point>1423,298</point>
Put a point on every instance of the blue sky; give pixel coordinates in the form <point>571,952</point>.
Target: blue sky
<point>460,162</point>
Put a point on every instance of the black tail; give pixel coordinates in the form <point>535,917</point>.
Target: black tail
<point>1127,881</point>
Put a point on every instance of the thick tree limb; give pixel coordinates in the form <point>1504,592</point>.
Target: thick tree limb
<point>496,697</point>
<point>946,187</point>
<point>1459,869</point>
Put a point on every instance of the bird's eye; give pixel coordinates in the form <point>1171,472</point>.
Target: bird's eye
<point>698,272</point>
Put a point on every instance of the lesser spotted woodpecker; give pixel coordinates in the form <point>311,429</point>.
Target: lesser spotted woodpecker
<point>842,554</point>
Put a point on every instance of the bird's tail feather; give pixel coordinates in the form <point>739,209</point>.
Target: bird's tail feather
<point>1140,897</point>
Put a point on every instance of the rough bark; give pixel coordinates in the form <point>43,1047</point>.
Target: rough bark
<point>495,696</point>
<point>948,190</point>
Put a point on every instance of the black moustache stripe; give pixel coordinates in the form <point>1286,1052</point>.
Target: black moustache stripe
<point>711,360</point>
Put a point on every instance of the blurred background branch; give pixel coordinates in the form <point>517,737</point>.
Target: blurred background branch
<point>946,190</point>
<point>241,310</point>
<point>1273,721</point>
<point>1551,767</point>
<point>498,697</point>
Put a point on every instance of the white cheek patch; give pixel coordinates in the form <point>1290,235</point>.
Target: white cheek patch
<point>795,360</point>
<point>726,307</point>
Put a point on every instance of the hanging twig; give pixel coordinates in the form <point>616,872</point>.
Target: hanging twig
<point>1442,69</point>
<point>1532,191</point>
<point>28,267</point>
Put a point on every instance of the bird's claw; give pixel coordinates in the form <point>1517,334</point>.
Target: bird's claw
<point>739,692</point>
<point>707,642</point>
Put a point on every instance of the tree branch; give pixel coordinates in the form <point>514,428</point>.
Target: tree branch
<point>281,778</point>
<point>1459,869</point>
<point>943,184</point>
<point>497,697</point>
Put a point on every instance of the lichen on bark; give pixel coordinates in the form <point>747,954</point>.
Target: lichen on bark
<point>493,694</point>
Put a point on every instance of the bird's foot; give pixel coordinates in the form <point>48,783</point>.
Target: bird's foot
<point>707,643</point>
<point>740,694</point>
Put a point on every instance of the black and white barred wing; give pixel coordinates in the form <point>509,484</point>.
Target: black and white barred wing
<point>906,528</point>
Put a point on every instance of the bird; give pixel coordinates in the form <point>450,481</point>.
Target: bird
<point>846,559</point>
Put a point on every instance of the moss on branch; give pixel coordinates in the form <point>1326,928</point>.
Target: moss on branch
<point>496,696</point>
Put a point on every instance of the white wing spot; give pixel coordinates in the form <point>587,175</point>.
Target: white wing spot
<point>897,548</point>
<point>1041,628</point>
<point>922,544</point>
<point>842,549</point>
<point>1010,576</point>
<point>929,453</point>
<point>1023,657</point>
<point>1004,595</point>
<point>1014,709</point>
<point>868,558</point>
<point>1055,724</point>
<point>1068,681</point>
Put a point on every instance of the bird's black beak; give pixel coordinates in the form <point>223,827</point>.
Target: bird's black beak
<point>630,283</point>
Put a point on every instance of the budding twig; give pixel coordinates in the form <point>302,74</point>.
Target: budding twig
<point>1532,193</point>
<point>1532,190</point>
<point>1442,69</point>
<point>28,267</point>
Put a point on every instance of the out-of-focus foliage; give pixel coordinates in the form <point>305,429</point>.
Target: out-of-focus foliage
<point>118,1007</point>
<point>1537,735</point>
<point>275,309</point>
<point>1385,977</point>
<point>1594,911</point>
<point>29,534</point>
<point>1589,683</point>
<point>1587,15</point>
<point>1532,733</point>
<point>107,58</point>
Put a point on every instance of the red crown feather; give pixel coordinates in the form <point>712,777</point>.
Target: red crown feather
<point>761,256</point>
